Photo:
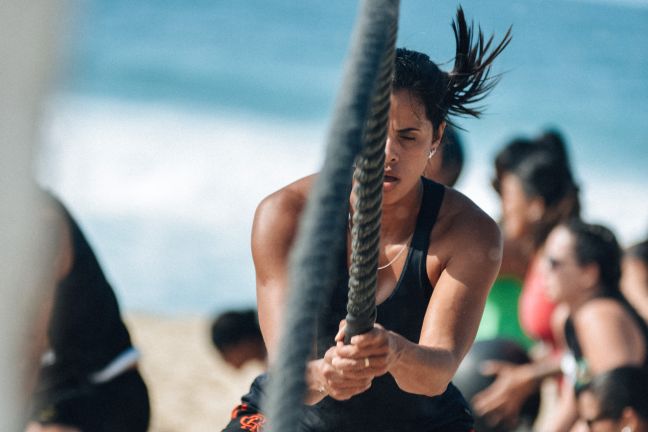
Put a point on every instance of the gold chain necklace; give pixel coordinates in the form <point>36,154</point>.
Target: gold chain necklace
<point>400,252</point>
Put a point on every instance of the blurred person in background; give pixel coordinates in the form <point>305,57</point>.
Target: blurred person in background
<point>616,400</point>
<point>88,379</point>
<point>236,335</point>
<point>445,167</point>
<point>634,277</point>
<point>536,185</point>
<point>601,330</point>
<point>534,180</point>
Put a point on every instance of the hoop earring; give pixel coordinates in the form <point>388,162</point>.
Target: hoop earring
<point>432,152</point>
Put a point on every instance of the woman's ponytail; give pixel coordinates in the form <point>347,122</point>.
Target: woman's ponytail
<point>469,81</point>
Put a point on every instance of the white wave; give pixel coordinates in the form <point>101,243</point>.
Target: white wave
<point>119,159</point>
<point>186,185</point>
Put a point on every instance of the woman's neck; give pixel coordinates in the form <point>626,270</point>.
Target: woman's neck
<point>399,219</point>
<point>581,298</point>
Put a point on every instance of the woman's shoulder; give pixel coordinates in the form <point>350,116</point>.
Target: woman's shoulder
<point>600,314</point>
<point>461,217</point>
<point>288,200</point>
<point>597,309</point>
<point>463,231</point>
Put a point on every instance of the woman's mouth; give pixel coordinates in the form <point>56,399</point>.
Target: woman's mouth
<point>389,182</point>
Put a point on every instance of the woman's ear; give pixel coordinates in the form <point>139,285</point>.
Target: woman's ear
<point>438,135</point>
<point>535,209</point>
<point>590,275</point>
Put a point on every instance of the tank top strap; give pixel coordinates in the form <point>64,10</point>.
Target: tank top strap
<point>432,198</point>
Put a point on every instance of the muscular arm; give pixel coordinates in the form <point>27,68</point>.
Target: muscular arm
<point>463,261</point>
<point>456,306</point>
<point>273,232</point>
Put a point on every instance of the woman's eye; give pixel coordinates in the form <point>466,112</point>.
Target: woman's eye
<point>408,138</point>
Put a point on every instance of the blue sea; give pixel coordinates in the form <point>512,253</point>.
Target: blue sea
<point>171,119</point>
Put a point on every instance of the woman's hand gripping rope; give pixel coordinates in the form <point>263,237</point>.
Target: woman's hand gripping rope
<point>348,370</point>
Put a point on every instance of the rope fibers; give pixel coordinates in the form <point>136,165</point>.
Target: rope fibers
<point>318,245</point>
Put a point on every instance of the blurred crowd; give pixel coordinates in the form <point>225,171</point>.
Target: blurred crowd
<point>564,331</point>
<point>568,308</point>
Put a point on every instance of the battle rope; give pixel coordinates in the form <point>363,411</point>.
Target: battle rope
<point>369,173</point>
<point>318,245</point>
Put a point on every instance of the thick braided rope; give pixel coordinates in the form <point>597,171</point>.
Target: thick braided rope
<point>369,173</point>
<point>319,241</point>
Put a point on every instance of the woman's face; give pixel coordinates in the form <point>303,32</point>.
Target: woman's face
<point>563,274</point>
<point>519,212</point>
<point>410,138</point>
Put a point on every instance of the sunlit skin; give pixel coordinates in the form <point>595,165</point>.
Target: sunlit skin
<point>607,335</point>
<point>519,212</point>
<point>410,139</point>
<point>565,280</point>
<point>462,262</point>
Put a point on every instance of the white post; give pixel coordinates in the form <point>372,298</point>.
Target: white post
<point>29,35</point>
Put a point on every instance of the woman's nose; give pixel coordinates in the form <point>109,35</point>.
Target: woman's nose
<point>391,154</point>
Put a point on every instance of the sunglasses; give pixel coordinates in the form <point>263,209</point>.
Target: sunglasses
<point>554,264</point>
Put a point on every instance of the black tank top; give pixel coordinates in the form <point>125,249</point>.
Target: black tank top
<point>581,374</point>
<point>385,407</point>
<point>86,331</point>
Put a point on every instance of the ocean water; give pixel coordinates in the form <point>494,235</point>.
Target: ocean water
<point>172,119</point>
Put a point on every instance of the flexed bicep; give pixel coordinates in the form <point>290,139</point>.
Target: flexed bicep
<point>273,233</point>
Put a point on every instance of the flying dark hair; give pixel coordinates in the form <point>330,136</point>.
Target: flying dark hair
<point>542,166</point>
<point>618,389</point>
<point>596,244</point>
<point>454,92</point>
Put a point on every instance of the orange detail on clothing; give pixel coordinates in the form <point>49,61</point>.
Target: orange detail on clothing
<point>237,409</point>
<point>252,422</point>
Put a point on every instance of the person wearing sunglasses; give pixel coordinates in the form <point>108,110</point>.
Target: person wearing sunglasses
<point>602,331</point>
<point>537,188</point>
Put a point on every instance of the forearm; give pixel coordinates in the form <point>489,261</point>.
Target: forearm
<point>537,371</point>
<point>315,383</point>
<point>566,412</point>
<point>419,369</point>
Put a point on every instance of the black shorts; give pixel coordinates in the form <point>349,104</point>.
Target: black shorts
<point>121,404</point>
<point>247,418</point>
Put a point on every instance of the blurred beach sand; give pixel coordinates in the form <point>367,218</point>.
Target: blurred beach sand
<point>190,386</point>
